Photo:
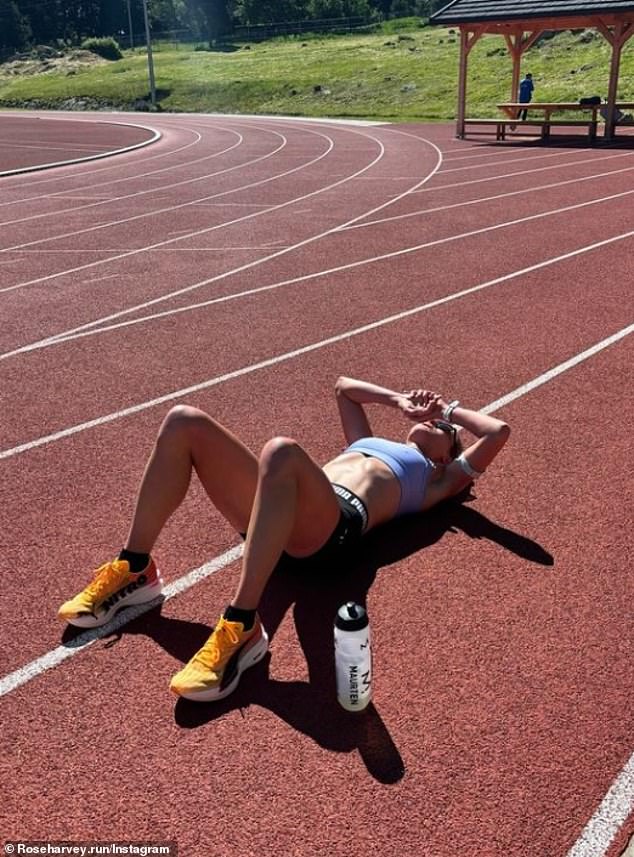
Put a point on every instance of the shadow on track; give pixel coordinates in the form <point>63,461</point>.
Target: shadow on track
<point>557,141</point>
<point>310,706</point>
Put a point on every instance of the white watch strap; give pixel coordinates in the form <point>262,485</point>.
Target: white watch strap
<point>467,468</point>
<point>446,414</point>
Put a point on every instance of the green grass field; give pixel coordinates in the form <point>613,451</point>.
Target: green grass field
<point>403,73</point>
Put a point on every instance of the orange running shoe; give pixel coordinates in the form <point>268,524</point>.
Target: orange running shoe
<point>113,587</point>
<point>215,670</point>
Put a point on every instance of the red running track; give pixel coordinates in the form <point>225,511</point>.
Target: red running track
<point>30,142</point>
<point>241,264</point>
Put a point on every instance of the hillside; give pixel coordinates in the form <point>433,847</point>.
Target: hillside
<point>404,73</point>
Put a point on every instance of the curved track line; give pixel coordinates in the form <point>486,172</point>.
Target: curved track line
<point>51,659</point>
<point>111,182</point>
<point>136,176</point>
<point>35,168</point>
<point>86,329</point>
<point>186,235</point>
<point>506,160</point>
<point>254,263</point>
<point>520,173</point>
<point>198,232</point>
<point>157,190</point>
<point>144,214</point>
<point>59,178</point>
<point>290,355</point>
<point>481,199</point>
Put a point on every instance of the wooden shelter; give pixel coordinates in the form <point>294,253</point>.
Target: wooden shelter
<point>521,22</point>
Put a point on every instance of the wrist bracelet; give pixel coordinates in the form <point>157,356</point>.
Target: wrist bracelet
<point>446,414</point>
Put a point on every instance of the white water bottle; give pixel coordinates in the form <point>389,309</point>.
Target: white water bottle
<point>353,657</point>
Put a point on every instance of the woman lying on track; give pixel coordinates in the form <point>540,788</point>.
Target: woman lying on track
<point>287,504</point>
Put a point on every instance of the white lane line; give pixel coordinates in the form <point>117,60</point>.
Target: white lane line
<point>156,191</point>
<point>247,266</point>
<point>197,232</point>
<point>69,147</point>
<point>265,211</point>
<point>289,355</point>
<point>87,638</point>
<point>610,815</point>
<point>272,244</point>
<point>545,377</point>
<point>139,193</point>
<point>530,172</point>
<point>503,155</point>
<point>496,163</point>
<point>88,328</point>
<point>482,199</point>
<point>156,135</point>
<point>62,194</point>
<point>186,123</point>
<point>163,188</point>
<point>51,659</point>
<point>61,178</point>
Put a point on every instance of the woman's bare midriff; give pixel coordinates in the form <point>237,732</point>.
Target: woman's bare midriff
<point>371,480</point>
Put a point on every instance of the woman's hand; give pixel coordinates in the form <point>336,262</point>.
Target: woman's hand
<point>421,405</point>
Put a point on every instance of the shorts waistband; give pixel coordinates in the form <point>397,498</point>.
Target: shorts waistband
<point>352,500</point>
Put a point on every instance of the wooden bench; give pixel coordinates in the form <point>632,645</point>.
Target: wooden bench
<point>501,126</point>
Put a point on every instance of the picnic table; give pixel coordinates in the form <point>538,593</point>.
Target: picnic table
<point>511,108</point>
<point>546,122</point>
<point>583,115</point>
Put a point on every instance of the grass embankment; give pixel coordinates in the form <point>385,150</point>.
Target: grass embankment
<point>404,73</point>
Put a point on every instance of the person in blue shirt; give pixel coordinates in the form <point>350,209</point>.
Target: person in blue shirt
<point>526,93</point>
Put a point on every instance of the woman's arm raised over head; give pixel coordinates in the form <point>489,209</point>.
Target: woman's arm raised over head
<point>352,394</point>
<point>491,434</point>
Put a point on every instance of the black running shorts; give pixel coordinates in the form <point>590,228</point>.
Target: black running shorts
<point>353,521</point>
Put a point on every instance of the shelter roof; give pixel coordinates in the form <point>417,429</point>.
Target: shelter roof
<point>480,11</point>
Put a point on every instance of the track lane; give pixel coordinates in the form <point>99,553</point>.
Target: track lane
<point>211,337</point>
<point>336,209</point>
<point>613,176</point>
<point>489,728</point>
<point>534,344</point>
<point>53,204</point>
<point>474,631</point>
<point>57,142</point>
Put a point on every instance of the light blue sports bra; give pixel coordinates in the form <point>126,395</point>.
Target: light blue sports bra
<point>407,463</point>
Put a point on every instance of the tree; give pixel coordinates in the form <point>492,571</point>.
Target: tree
<point>322,9</point>
<point>218,19</point>
<point>14,28</point>
<point>252,12</point>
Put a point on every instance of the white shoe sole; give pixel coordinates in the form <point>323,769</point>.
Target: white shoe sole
<point>250,659</point>
<point>139,596</point>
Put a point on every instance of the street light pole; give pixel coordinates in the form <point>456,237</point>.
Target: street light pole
<point>150,61</point>
<point>130,27</point>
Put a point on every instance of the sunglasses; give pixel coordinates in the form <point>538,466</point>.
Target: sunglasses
<point>452,431</point>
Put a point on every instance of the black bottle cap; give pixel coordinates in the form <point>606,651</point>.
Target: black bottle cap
<point>351,617</point>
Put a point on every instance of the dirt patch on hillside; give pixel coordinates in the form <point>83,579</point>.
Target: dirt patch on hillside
<point>47,60</point>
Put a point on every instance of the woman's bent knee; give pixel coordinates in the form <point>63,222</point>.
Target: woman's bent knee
<point>183,420</point>
<point>279,455</point>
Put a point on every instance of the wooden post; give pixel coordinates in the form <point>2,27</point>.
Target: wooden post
<point>614,79</point>
<point>617,38</point>
<point>466,43</point>
<point>514,44</point>
<point>518,44</point>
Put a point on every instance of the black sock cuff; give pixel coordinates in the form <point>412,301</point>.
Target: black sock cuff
<point>236,614</point>
<point>138,561</point>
